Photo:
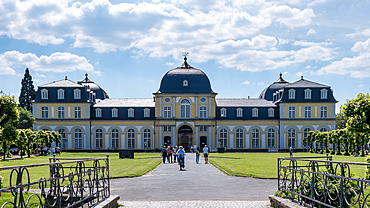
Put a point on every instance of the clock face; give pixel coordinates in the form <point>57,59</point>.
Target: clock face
<point>203,99</point>
<point>167,100</point>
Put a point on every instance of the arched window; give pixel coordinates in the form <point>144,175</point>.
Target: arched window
<point>78,139</point>
<point>305,133</point>
<point>323,129</point>
<point>291,138</point>
<point>63,140</point>
<point>115,139</point>
<point>147,138</point>
<point>271,138</point>
<point>255,138</point>
<point>185,109</point>
<point>131,138</point>
<point>239,138</point>
<point>99,139</point>
<point>223,138</point>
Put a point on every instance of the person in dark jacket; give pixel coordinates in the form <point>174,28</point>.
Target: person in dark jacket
<point>164,153</point>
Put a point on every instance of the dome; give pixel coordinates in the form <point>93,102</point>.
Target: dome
<point>99,92</point>
<point>268,92</point>
<point>185,79</point>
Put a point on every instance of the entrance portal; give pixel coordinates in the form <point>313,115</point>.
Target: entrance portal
<point>185,137</point>
<point>167,140</point>
<point>203,141</point>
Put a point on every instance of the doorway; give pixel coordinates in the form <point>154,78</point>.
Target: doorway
<point>185,137</point>
<point>203,141</point>
<point>167,141</point>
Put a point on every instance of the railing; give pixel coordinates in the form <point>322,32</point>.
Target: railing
<point>322,183</point>
<point>83,186</point>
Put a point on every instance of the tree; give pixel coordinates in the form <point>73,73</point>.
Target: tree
<point>357,113</point>
<point>340,121</point>
<point>8,135</point>
<point>28,92</point>
<point>21,141</point>
<point>8,110</point>
<point>26,119</point>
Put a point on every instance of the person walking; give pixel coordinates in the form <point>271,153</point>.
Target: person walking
<point>169,154</point>
<point>181,157</point>
<point>174,154</point>
<point>197,153</point>
<point>164,153</point>
<point>205,153</point>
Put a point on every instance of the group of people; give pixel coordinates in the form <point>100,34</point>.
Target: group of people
<point>173,154</point>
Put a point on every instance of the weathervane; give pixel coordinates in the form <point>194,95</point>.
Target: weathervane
<point>185,54</point>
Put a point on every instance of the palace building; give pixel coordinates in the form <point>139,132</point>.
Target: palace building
<point>184,111</point>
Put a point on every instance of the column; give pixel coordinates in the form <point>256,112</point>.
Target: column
<point>209,107</point>
<point>196,140</point>
<point>160,107</point>
<point>174,139</point>
<point>196,106</point>
<point>173,106</point>
<point>160,136</point>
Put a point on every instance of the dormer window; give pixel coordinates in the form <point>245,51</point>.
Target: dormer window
<point>60,94</point>
<point>114,112</point>
<point>185,83</point>
<point>77,94</point>
<point>255,112</point>
<point>44,94</point>
<point>223,112</point>
<point>146,112</point>
<point>239,112</point>
<point>130,112</point>
<point>307,94</point>
<point>292,94</point>
<point>324,94</point>
<point>98,112</point>
<point>271,112</point>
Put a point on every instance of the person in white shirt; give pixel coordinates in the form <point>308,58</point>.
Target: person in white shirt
<point>205,153</point>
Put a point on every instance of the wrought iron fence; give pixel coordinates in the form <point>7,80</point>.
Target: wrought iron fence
<point>73,182</point>
<point>323,183</point>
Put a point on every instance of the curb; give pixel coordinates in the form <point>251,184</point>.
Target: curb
<point>278,202</point>
<point>110,202</point>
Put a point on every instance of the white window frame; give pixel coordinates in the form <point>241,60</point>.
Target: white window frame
<point>77,112</point>
<point>167,128</point>
<point>324,111</point>
<point>291,93</point>
<point>271,138</point>
<point>99,144</point>
<point>239,138</point>
<point>271,112</point>
<point>255,138</point>
<point>307,93</point>
<point>323,129</point>
<point>131,139</point>
<point>63,140</point>
<point>44,94</point>
<point>44,111</point>
<point>305,134</point>
<point>308,111</point>
<point>130,112</point>
<point>114,113</point>
<point>202,111</point>
<point>77,94</point>
<point>291,112</point>
<point>223,112</point>
<point>223,138</point>
<point>77,139</point>
<point>146,112</point>
<point>147,135</point>
<point>98,113</point>
<point>185,83</point>
<point>115,138</point>
<point>255,112</point>
<point>203,128</point>
<point>324,93</point>
<point>61,112</point>
<point>60,93</point>
<point>291,137</point>
<point>239,112</point>
<point>167,111</point>
<point>185,109</point>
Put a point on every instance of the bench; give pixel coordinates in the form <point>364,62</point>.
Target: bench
<point>126,154</point>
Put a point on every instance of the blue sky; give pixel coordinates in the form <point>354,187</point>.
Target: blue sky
<point>242,45</point>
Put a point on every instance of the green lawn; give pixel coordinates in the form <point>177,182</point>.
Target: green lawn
<point>143,163</point>
<point>264,165</point>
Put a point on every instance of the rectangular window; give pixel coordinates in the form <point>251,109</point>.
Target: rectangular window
<point>77,111</point>
<point>131,112</point>
<point>61,94</point>
<point>44,94</point>
<point>98,112</point>
<point>223,112</point>
<point>324,94</point>
<point>146,112</point>
<point>167,128</point>
<point>167,112</point>
<point>45,112</point>
<point>77,94</point>
<point>202,128</point>
<point>254,112</point>
<point>291,94</point>
<point>239,112</point>
<point>307,111</point>
<point>203,112</point>
<point>307,94</point>
<point>61,111</point>
<point>271,112</point>
<point>115,113</point>
<point>291,112</point>
<point>324,111</point>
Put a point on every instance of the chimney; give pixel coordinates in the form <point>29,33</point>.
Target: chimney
<point>249,97</point>
<point>301,77</point>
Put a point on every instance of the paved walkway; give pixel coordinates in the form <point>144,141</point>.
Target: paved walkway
<point>199,183</point>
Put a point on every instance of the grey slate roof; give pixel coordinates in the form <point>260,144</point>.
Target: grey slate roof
<point>242,102</point>
<point>62,83</point>
<point>302,83</point>
<point>125,102</point>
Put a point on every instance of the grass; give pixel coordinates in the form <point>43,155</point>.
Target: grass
<point>143,163</point>
<point>263,165</point>
<point>8,197</point>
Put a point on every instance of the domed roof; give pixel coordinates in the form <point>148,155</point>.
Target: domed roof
<point>268,92</point>
<point>99,92</point>
<point>185,79</point>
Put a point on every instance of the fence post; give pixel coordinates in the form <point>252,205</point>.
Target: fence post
<point>108,175</point>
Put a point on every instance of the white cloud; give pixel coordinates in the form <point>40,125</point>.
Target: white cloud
<point>261,83</point>
<point>361,85</point>
<point>283,41</point>
<point>359,33</point>
<point>246,82</point>
<point>311,32</point>
<point>56,62</point>
<point>308,67</point>
<point>152,81</point>
<point>169,63</point>
<point>316,2</point>
<point>40,75</point>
